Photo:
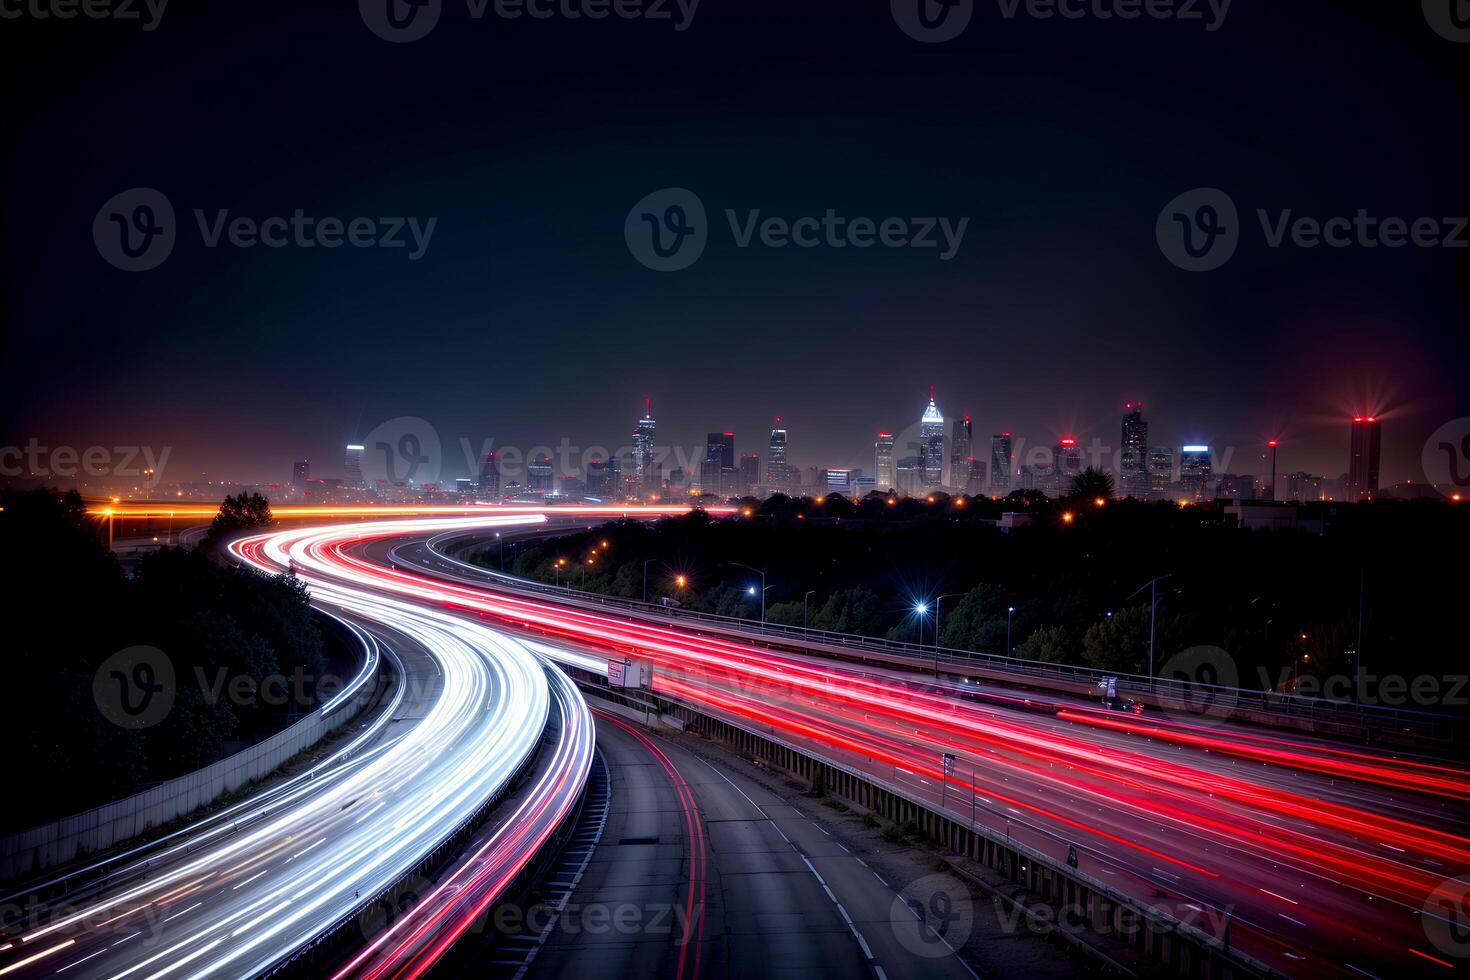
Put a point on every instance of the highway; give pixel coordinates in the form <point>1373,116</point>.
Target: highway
<point>1315,859</point>
<point>238,896</point>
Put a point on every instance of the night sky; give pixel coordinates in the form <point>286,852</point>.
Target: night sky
<point>528,321</point>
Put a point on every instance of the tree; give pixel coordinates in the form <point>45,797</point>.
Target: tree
<point>977,620</point>
<point>1119,642</point>
<point>1093,483</point>
<point>1052,644</point>
<point>240,513</point>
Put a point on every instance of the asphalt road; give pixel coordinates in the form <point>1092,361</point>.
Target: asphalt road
<point>711,875</point>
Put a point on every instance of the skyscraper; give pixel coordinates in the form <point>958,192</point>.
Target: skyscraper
<point>717,472</point>
<point>1066,458</point>
<point>750,472</point>
<point>959,454</point>
<point>1195,470</point>
<point>489,487</point>
<point>1133,461</point>
<point>931,443</point>
<point>911,475</point>
<point>776,472</point>
<point>1000,464</point>
<point>539,474</point>
<point>300,474</point>
<point>1366,446</point>
<point>354,466</point>
<point>883,457</point>
<point>1160,470</point>
<point>645,475</point>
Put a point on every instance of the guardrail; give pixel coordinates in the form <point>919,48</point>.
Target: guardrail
<point>1323,713</point>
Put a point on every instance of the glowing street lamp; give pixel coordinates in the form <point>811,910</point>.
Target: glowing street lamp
<point>1010,611</point>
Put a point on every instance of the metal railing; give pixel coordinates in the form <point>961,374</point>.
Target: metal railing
<point>1323,711</point>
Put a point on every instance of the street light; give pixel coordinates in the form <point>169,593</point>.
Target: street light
<point>751,590</point>
<point>1153,608</point>
<point>922,609</point>
<point>809,594</point>
<point>1010,610</point>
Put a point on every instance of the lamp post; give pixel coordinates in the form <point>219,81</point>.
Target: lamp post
<point>1153,609</point>
<point>1010,611</point>
<point>938,603</point>
<point>809,594</point>
<point>922,610</point>
<point>752,588</point>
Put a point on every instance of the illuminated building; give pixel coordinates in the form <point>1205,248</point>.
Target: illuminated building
<point>1160,470</point>
<point>776,471</point>
<point>1133,460</point>
<point>354,466</point>
<point>1366,446</point>
<point>490,476</point>
<point>1066,463</point>
<point>538,474</point>
<point>959,454</point>
<point>1000,464</point>
<point>883,457</point>
<point>645,475</point>
<point>1195,470</point>
<point>300,474</point>
<point>931,443</point>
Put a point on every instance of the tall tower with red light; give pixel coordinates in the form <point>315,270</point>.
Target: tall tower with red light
<point>1363,461</point>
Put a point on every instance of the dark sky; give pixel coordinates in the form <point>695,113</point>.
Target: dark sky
<point>528,321</point>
